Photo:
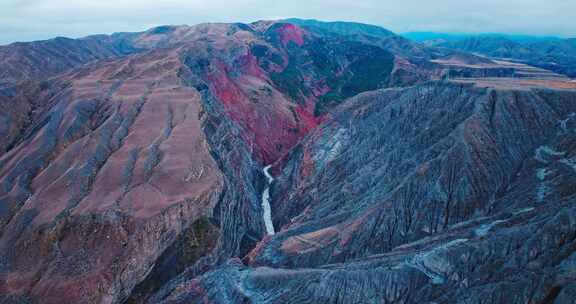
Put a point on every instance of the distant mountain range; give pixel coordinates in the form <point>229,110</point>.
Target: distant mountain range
<point>427,36</point>
<point>552,53</point>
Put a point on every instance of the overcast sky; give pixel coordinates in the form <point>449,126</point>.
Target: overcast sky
<point>25,20</point>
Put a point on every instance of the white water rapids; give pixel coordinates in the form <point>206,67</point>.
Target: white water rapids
<point>267,211</point>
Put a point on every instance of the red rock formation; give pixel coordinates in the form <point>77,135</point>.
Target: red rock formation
<point>291,33</point>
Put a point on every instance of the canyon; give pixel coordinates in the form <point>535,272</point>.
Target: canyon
<point>289,161</point>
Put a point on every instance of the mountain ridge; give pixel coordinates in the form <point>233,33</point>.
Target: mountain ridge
<point>551,53</point>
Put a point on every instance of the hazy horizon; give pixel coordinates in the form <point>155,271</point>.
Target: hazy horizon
<point>29,20</point>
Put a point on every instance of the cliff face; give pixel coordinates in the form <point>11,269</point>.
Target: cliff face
<point>137,176</point>
<point>398,165</point>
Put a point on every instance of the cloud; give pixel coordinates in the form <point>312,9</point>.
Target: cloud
<point>22,20</point>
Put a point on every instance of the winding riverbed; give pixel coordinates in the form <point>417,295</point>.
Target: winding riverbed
<point>266,210</point>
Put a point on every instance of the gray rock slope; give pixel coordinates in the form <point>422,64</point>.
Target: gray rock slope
<point>440,193</point>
